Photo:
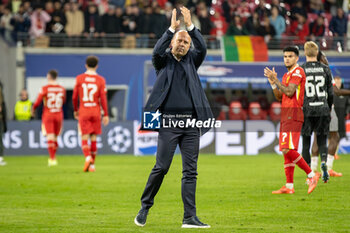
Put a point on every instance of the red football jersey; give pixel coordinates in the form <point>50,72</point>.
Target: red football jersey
<point>292,106</point>
<point>90,90</point>
<point>53,96</point>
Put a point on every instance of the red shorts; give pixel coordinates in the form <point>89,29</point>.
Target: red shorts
<point>290,134</point>
<point>51,125</point>
<point>89,124</point>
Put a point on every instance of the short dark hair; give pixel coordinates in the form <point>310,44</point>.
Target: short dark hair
<point>53,74</point>
<point>293,49</point>
<point>91,61</point>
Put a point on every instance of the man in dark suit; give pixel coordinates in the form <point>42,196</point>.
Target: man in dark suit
<point>177,92</point>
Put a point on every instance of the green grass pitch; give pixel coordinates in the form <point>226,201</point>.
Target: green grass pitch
<point>233,195</point>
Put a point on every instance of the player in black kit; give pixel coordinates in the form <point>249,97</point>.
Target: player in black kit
<point>318,102</point>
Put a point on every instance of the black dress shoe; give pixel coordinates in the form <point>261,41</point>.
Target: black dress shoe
<point>193,222</point>
<point>141,217</point>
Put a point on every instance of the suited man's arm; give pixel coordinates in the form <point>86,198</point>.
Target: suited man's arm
<point>200,48</point>
<point>159,55</point>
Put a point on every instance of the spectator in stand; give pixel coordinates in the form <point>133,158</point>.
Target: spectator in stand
<point>338,26</point>
<point>317,28</point>
<point>129,26</point>
<point>146,28</point>
<point>220,24</point>
<point>129,23</point>
<point>203,16</point>
<point>109,22</point>
<point>243,10</point>
<point>102,6</point>
<point>6,27</point>
<point>161,22</point>
<point>111,25</point>
<point>281,9</point>
<point>75,24</point>
<point>278,22</point>
<point>49,7</point>
<point>266,30</point>
<point>14,5</point>
<point>229,8</point>
<point>93,27</point>
<point>298,9</point>
<point>27,7</point>
<point>261,10</point>
<point>119,18</point>
<point>252,24</point>
<point>57,25</point>
<point>316,6</point>
<point>300,29</point>
<point>219,29</point>
<point>39,19</point>
<point>236,27</point>
<point>20,22</point>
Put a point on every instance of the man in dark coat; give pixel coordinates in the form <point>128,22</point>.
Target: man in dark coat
<point>177,92</point>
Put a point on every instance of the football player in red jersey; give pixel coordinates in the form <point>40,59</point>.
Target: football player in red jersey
<point>53,95</point>
<point>291,93</point>
<point>90,91</point>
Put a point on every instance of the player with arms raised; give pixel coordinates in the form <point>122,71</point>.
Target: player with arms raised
<point>90,90</point>
<point>53,95</point>
<point>291,93</point>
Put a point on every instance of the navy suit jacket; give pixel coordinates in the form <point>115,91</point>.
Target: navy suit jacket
<point>164,64</point>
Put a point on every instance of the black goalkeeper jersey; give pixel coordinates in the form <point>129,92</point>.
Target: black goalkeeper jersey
<point>318,97</point>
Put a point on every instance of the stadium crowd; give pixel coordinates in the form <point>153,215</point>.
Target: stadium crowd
<point>138,23</point>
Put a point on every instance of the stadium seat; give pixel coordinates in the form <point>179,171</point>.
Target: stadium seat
<point>223,113</point>
<point>236,112</point>
<point>275,111</point>
<point>255,112</point>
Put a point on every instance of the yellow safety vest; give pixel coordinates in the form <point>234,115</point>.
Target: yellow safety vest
<point>22,110</point>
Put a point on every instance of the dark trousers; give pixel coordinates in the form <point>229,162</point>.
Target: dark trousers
<point>168,139</point>
<point>322,148</point>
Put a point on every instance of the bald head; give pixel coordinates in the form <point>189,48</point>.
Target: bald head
<point>180,43</point>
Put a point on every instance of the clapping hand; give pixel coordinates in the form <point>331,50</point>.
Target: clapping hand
<point>271,75</point>
<point>187,16</point>
<point>174,23</point>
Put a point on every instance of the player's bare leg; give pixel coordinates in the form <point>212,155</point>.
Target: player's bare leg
<point>51,147</point>
<point>332,148</point>
<point>292,157</point>
<point>93,152</point>
<point>86,151</point>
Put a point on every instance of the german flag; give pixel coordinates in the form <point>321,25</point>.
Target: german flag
<point>244,48</point>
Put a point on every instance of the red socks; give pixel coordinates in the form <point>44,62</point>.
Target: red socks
<point>93,149</point>
<point>289,168</point>
<point>85,147</point>
<point>296,158</point>
<point>51,147</point>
